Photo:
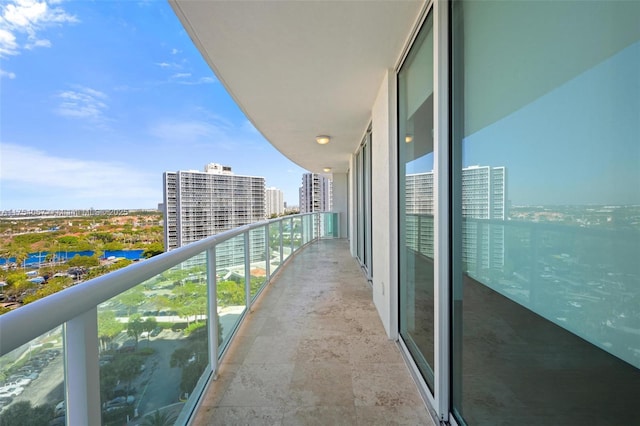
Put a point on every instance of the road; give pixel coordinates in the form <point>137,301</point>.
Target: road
<point>159,384</point>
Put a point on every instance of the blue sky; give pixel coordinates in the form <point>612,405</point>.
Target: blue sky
<point>99,98</point>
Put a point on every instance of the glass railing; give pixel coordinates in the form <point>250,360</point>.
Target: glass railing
<point>141,343</point>
<point>583,279</point>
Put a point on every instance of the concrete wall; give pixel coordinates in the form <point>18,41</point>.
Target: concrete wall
<point>385,205</point>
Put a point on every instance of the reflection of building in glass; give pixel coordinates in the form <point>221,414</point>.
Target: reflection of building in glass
<point>274,201</point>
<point>315,193</point>
<point>483,197</point>
<point>419,221</point>
<point>201,204</point>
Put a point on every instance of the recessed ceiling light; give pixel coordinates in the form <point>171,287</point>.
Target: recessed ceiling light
<point>323,139</point>
<point>327,169</point>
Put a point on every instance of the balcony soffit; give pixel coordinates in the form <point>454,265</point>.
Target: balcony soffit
<point>299,69</point>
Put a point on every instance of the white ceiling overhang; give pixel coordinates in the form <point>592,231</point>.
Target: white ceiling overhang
<point>299,69</point>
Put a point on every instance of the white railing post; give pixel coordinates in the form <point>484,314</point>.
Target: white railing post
<point>81,369</point>
<point>212,285</point>
<point>247,270</point>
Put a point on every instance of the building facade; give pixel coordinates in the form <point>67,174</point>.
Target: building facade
<point>201,204</point>
<point>274,202</point>
<point>483,198</point>
<point>315,193</point>
<point>531,319</point>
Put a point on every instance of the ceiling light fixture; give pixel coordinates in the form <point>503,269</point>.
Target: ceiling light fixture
<point>327,169</point>
<point>408,138</point>
<point>323,139</point>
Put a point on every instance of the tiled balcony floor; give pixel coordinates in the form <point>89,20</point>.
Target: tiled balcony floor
<point>314,352</point>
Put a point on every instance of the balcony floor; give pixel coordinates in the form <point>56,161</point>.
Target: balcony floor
<point>314,352</point>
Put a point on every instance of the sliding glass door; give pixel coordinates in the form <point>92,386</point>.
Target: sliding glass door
<point>416,202</point>
<point>546,178</point>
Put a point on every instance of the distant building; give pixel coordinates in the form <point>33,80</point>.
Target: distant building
<point>201,204</point>
<point>315,193</point>
<point>274,201</point>
<point>483,197</point>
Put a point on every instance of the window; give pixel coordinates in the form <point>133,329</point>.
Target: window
<point>546,142</point>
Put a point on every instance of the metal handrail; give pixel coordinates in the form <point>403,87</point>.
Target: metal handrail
<point>39,317</point>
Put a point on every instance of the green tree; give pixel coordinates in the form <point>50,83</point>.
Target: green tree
<point>68,240</point>
<point>149,325</point>
<point>52,286</point>
<point>105,237</point>
<point>180,357</point>
<point>230,293</point>
<point>132,298</point>
<point>108,328</point>
<point>22,413</point>
<point>83,261</point>
<point>135,327</point>
<point>127,368</point>
<point>159,419</point>
<point>153,249</point>
<point>113,246</point>
<point>108,381</point>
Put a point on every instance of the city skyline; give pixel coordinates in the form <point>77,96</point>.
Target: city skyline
<point>99,99</point>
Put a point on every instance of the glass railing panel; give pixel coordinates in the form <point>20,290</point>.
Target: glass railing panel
<point>287,231</point>
<point>296,233</point>
<point>328,225</point>
<point>258,267</point>
<point>315,226</point>
<point>307,223</point>
<point>231,294</point>
<point>153,344</point>
<point>274,245</point>
<point>32,382</point>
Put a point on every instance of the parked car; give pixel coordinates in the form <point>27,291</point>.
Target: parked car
<point>120,401</point>
<point>60,409</point>
<point>21,381</point>
<point>11,391</point>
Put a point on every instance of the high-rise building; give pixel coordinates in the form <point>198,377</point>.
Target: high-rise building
<point>315,193</point>
<point>201,204</point>
<point>274,202</point>
<point>483,197</point>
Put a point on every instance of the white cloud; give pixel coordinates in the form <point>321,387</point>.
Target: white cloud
<point>8,44</point>
<point>201,80</point>
<point>83,102</point>
<point>38,43</point>
<point>22,20</point>
<point>7,74</point>
<point>87,182</point>
<point>174,51</point>
<point>181,75</point>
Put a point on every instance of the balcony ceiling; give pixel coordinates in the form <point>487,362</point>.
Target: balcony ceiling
<point>299,69</point>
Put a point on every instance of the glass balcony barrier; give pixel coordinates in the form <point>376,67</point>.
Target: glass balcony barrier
<point>582,279</point>
<point>142,342</point>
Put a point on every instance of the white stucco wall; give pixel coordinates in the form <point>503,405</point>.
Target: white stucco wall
<point>384,201</point>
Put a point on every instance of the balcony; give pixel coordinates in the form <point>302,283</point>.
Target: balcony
<point>209,333</point>
<point>313,351</point>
